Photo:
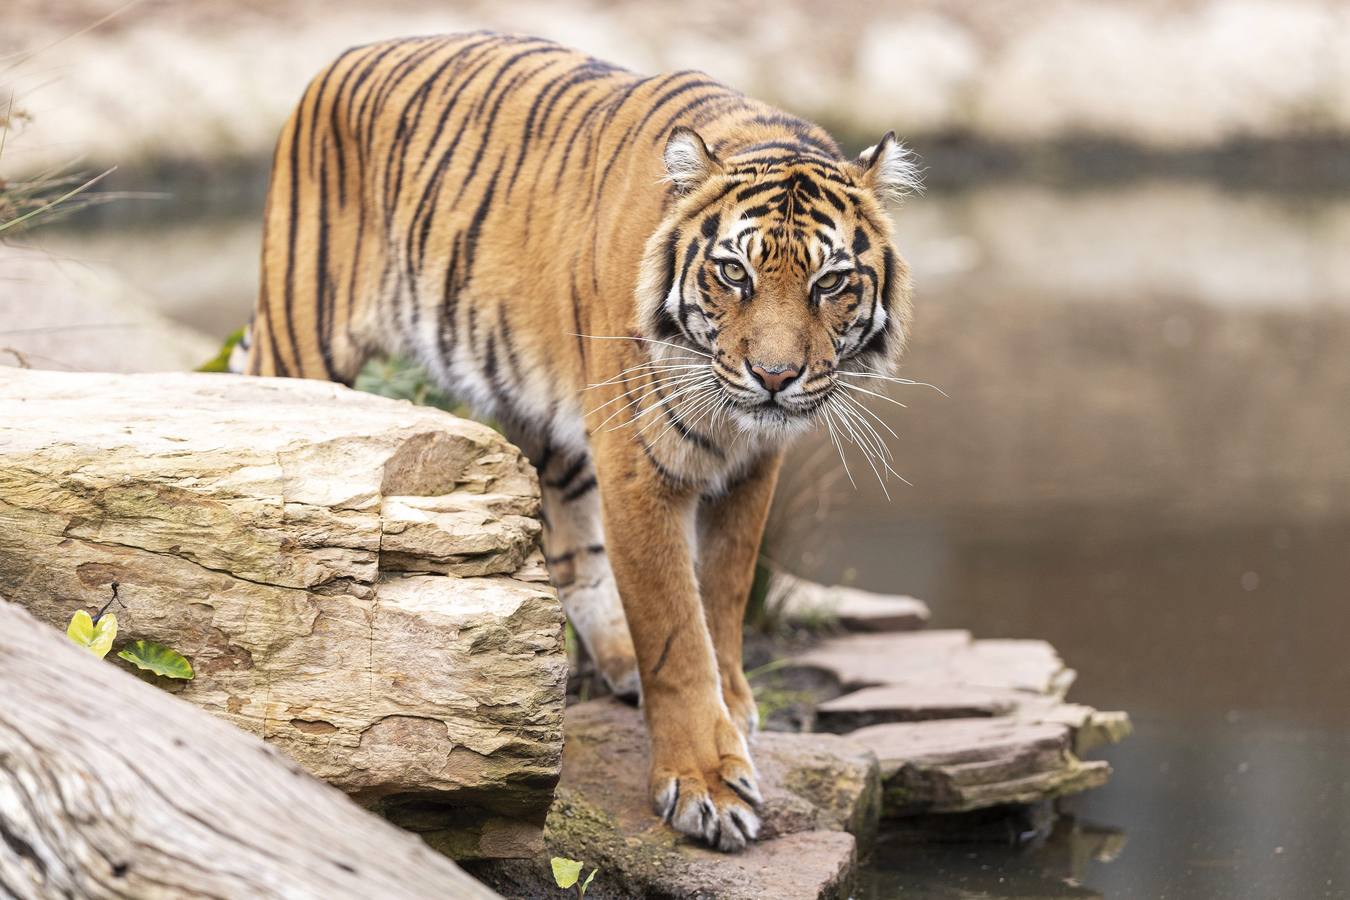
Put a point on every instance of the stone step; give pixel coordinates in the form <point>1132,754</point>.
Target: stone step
<point>958,765</point>
<point>944,658</point>
<point>918,703</point>
<point>805,602</point>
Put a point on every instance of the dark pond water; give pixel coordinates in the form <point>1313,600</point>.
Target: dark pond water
<point>1143,456</point>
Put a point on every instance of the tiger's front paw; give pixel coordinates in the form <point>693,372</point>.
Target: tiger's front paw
<point>712,795</point>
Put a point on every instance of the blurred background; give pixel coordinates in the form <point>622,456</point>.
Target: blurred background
<point>1133,285</point>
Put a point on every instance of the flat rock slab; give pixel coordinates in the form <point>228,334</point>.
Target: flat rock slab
<point>856,610</point>
<point>946,658</point>
<point>918,703</point>
<point>960,724</point>
<point>821,804</point>
<point>958,765</point>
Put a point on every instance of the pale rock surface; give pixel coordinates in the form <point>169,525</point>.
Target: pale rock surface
<point>355,580</point>
<point>799,600</point>
<point>958,765</point>
<point>915,703</point>
<point>960,724</point>
<point>941,657</point>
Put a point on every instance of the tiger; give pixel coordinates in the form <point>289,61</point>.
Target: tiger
<point>653,284</point>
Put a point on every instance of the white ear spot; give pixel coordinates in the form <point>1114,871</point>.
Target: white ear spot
<point>688,160</point>
<point>890,168</point>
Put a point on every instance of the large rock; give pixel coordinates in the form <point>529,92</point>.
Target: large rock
<point>821,802</point>
<point>356,580</point>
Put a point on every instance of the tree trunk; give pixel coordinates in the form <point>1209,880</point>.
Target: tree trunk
<point>356,580</point>
<point>112,788</point>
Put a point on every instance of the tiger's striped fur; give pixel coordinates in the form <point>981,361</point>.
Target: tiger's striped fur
<point>651,282</point>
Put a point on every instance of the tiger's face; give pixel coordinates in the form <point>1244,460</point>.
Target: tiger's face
<point>781,273</point>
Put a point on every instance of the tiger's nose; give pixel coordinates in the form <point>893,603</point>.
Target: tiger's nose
<point>775,379</point>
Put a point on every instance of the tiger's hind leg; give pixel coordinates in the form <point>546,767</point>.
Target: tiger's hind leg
<point>322,260</point>
<point>574,548</point>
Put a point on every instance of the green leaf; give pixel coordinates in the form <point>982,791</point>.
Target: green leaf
<point>157,658</point>
<point>565,871</point>
<point>221,361</point>
<point>587,883</point>
<point>97,639</point>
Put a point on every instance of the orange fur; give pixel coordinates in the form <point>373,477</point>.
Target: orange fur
<point>653,283</point>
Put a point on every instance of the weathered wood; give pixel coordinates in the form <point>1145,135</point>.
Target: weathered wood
<point>356,580</point>
<point>110,787</point>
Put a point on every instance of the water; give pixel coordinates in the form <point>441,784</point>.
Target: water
<point>1143,457</point>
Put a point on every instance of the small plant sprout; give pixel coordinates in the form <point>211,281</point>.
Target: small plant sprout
<point>96,633</point>
<point>156,658</point>
<point>96,638</point>
<point>567,871</point>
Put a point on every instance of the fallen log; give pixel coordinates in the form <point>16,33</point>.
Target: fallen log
<point>110,787</point>
<point>356,580</point>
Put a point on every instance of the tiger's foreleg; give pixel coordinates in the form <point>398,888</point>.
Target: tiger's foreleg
<point>578,564</point>
<point>702,780</point>
<point>730,529</point>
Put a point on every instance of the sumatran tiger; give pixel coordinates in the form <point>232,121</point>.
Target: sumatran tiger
<point>652,283</point>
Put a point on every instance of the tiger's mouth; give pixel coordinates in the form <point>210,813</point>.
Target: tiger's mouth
<point>777,412</point>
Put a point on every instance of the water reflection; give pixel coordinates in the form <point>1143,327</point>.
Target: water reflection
<point>1051,863</point>
<point>1143,457</point>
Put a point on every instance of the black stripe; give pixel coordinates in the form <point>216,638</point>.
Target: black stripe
<point>674,481</point>
<point>563,480</point>
<point>288,291</point>
<point>580,490</point>
<point>578,331</point>
<point>323,285</point>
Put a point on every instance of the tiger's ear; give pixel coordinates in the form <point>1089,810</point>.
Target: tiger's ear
<point>889,169</point>
<point>688,160</point>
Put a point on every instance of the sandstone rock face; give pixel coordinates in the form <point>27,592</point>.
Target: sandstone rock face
<point>821,802</point>
<point>355,580</point>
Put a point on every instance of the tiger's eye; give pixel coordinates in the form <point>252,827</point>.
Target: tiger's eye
<point>829,281</point>
<point>733,272</point>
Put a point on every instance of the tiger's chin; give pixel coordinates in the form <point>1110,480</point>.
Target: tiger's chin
<point>775,420</point>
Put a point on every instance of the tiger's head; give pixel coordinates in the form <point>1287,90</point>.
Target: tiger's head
<point>779,273</point>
